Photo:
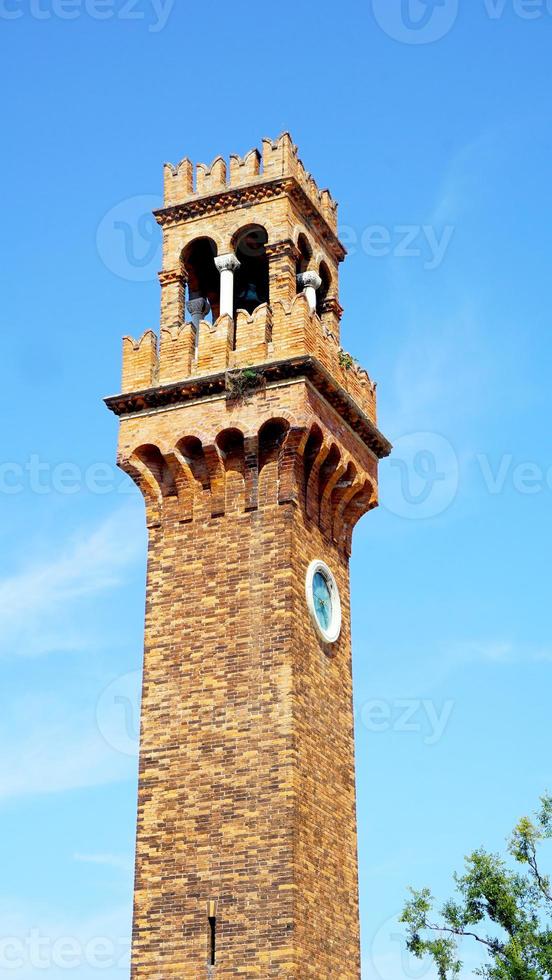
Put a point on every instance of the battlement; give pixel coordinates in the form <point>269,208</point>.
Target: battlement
<point>279,159</point>
<point>269,334</point>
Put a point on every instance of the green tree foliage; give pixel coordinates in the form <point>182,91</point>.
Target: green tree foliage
<point>506,910</point>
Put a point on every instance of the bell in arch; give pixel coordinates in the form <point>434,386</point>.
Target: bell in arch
<point>248,297</point>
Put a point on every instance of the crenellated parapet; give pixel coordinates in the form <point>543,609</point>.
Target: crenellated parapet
<point>279,159</point>
<point>270,334</point>
<point>285,460</point>
<point>140,361</point>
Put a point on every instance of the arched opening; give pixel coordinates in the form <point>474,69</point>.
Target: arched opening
<point>305,254</point>
<point>312,448</point>
<point>203,277</point>
<point>324,288</point>
<point>231,445</point>
<point>251,281</point>
<point>346,480</point>
<point>328,468</point>
<point>153,459</point>
<point>271,437</point>
<point>192,452</point>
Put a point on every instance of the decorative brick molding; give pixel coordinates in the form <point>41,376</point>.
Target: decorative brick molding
<point>286,248</point>
<point>171,277</point>
<point>244,197</point>
<point>334,493</point>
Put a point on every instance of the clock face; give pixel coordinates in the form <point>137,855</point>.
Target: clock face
<point>323,601</point>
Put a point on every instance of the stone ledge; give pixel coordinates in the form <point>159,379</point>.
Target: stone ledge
<point>191,389</point>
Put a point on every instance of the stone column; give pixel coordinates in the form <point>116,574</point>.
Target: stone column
<point>227,266</point>
<point>198,308</point>
<point>172,282</point>
<point>309,282</point>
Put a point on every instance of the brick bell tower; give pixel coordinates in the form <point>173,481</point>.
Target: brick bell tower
<point>252,436</point>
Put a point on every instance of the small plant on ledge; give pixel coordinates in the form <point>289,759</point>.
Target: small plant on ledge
<point>346,360</point>
<point>242,383</point>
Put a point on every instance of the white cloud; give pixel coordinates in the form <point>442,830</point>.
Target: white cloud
<point>54,748</point>
<point>37,942</point>
<point>466,180</point>
<point>433,372</point>
<point>40,603</point>
<point>50,740</point>
<point>436,670</point>
<point>493,651</point>
<point>444,352</point>
<point>109,860</point>
<point>498,652</point>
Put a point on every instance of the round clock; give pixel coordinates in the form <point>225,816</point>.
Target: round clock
<point>323,601</point>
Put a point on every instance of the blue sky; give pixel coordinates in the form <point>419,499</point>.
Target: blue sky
<point>432,128</point>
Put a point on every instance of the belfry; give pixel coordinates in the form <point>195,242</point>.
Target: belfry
<point>252,436</point>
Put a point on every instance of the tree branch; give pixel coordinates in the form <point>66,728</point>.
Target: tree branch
<point>493,944</point>
<point>541,882</point>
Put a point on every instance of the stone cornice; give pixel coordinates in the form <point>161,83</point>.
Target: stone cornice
<point>190,389</point>
<point>233,198</point>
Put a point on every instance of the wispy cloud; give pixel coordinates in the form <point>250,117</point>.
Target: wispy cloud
<point>36,601</point>
<point>433,372</point>
<point>433,670</point>
<point>50,740</point>
<point>444,352</point>
<point>55,749</point>
<point>109,860</point>
<point>57,941</point>
<point>498,652</point>
<point>466,179</point>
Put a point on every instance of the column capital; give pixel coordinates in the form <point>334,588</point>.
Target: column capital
<point>227,263</point>
<point>198,307</point>
<point>309,279</point>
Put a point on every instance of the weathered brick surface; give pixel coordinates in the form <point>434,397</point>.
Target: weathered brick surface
<point>246,773</point>
<point>271,333</point>
<point>246,792</point>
